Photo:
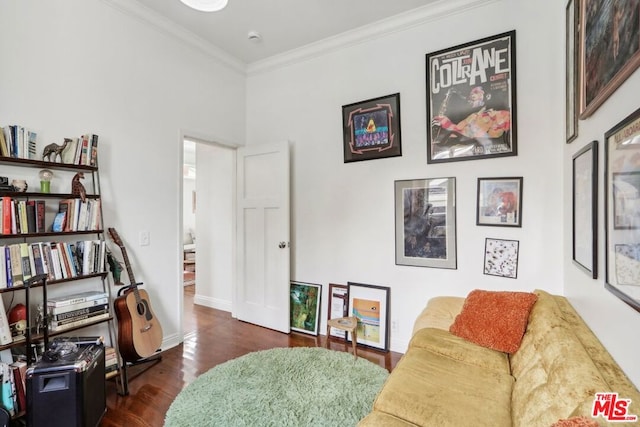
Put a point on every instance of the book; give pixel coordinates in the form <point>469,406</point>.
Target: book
<point>31,216</point>
<point>38,262</point>
<point>75,298</point>
<point>58,272</point>
<point>69,152</point>
<point>5,330</point>
<point>80,322</point>
<point>7,389</point>
<point>9,272</point>
<point>16,265</point>
<point>3,268</point>
<point>93,161</point>
<point>76,314</point>
<point>6,215</point>
<point>47,257</point>
<point>31,143</point>
<point>74,319</point>
<point>59,222</point>
<point>77,306</point>
<point>4,149</point>
<point>19,368</point>
<point>25,261</point>
<point>40,215</point>
<point>84,160</point>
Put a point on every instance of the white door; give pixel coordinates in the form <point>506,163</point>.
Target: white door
<point>263,235</point>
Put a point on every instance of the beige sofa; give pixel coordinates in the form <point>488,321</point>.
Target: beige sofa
<point>444,380</point>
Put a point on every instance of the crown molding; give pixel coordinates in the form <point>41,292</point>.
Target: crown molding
<point>142,13</point>
<point>397,23</point>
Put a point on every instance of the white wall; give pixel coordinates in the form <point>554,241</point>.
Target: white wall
<point>188,215</point>
<point>78,66</point>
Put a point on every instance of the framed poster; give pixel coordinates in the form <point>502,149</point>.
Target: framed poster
<point>622,210</point>
<point>471,100</point>
<point>571,69</point>
<point>371,129</point>
<point>585,209</point>
<point>609,49</point>
<point>370,304</point>
<point>305,307</point>
<point>499,202</point>
<point>501,258</point>
<point>426,222</point>
<point>338,307</point>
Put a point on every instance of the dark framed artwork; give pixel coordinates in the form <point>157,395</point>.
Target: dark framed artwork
<point>609,49</point>
<point>371,305</point>
<point>499,202</point>
<point>571,68</point>
<point>305,307</point>
<point>338,307</point>
<point>471,100</point>
<point>425,212</point>
<point>501,257</point>
<point>622,210</point>
<point>585,208</point>
<point>371,129</point>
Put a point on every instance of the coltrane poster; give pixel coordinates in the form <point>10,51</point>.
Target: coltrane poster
<point>471,100</point>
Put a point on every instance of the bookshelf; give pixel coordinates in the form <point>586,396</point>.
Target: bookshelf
<point>85,274</point>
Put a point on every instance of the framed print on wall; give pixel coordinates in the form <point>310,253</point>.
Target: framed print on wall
<point>371,129</point>
<point>609,49</point>
<point>370,304</point>
<point>501,257</point>
<point>499,202</point>
<point>426,222</point>
<point>338,307</point>
<point>622,210</point>
<point>585,209</point>
<point>471,100</point>
<point>571,64</point>
<point>305,307</point>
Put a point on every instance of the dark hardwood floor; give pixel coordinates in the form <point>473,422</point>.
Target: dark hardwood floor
<point>211,337</point>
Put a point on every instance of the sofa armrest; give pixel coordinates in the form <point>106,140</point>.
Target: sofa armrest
<point>439,313</point>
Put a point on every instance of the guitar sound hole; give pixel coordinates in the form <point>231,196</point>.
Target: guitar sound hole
<point>140,308</point>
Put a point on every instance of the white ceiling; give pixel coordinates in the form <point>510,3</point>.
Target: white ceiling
<point>285,25</point>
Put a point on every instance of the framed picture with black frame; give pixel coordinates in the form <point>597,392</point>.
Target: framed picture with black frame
<point>585,208</point>
<point>371,305</point>
<point>471,100</point>
<point>499,202</point>
<point>501,257</point>
<point>305,307</point>
<point>622,209</point>
<point>371,129</point>
<point>572,16</point>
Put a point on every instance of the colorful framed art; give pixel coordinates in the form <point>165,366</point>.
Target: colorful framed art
<point>585,209</point>
<point>471,100</point>
<point>501,258</point>
<point>305,307</point>
<point>426,222</point>
<point>371,305</point>
<point>371,129</point>
<point>609,49</point>
<point>499,202</point>
<point>622,210</point>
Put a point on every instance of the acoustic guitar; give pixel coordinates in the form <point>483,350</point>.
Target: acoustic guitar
<point>139,332</point>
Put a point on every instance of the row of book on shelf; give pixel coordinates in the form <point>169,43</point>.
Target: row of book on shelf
<point>78,309</point>
<point>28,216</point>
<point>58,260</point>
<point>20,142</point>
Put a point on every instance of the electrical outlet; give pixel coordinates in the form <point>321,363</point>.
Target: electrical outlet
<point>145,238</point>
<point>394,326</point>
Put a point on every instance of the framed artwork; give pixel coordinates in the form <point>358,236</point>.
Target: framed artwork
<point>622,209</point>
<point>371,129</point>
<point>501,258</point>
<point>305,307</point>
<point>499,202</point>
<point>609,49</point>
<point>338,307</point>
<point>426,222</point>
<point>585,209</point>
<point>370,304</point>
<point>571,82</point>
<point>471,100</point>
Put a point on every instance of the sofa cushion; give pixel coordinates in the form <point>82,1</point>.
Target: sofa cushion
<point>494,319</point>
<point>380,419</point>
<point>431,389</point>
<point>446,344</point>
<point>581,421</point>
<point>440,312</point>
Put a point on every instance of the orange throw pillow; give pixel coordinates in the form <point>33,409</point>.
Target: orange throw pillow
<point>576,422</point>
<point>494,319</point>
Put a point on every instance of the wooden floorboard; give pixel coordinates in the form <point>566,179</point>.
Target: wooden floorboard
<point>211,337</point>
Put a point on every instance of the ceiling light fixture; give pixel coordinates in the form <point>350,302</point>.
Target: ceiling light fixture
<point>206,5</point>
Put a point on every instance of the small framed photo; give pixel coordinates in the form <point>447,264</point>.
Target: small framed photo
<point>501,258</point>
<point>622,210</point>
<point>426,222</point>
<point>305,307</point>
<point>371,305</point>
<point>571,72</point>
<point>585,209</point>
<point>371,129</point>
<point>338,307</point>
<point>499,202</point>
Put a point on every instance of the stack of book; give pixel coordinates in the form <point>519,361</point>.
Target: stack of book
<point>79,309</point>
<point>82,150</point>
<point>110,360</point>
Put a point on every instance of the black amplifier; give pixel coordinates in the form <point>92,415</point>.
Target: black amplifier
<point>67,388</point>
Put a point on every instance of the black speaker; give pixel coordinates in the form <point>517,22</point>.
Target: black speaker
<point>67,390</point>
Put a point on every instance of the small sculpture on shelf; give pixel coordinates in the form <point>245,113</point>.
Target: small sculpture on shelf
<point>56,150</point>
<point>77,189</point>
<point>19,185</point>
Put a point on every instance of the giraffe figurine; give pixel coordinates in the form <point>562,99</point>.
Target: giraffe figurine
<point>77,189</point>
<point>55,150</point>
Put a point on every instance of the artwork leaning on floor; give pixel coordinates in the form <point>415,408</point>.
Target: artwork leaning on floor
<point>305,307</point>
